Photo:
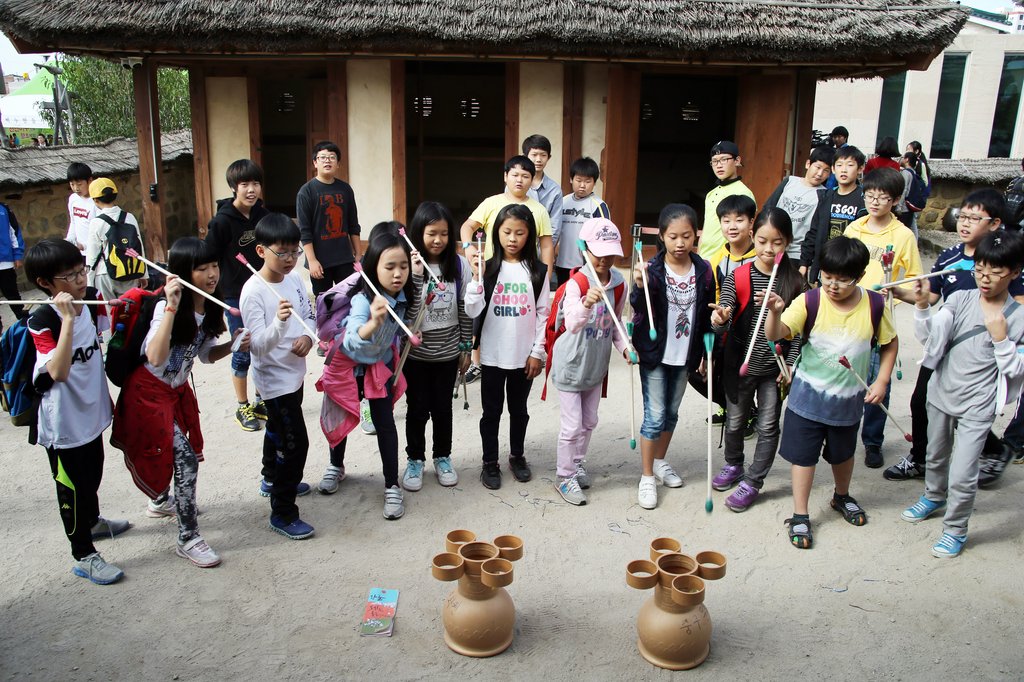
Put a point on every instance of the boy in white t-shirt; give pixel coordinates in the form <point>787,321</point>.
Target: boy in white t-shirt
<point>799,195</point>
<point>81,207</point>
<point>75,408</point>
<point>278,346</point>
<point>577,207</point>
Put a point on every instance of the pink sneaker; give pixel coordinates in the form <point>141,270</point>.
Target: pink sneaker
<point>742,497</point>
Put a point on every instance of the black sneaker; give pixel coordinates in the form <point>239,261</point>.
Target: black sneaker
<point>1016,454</point>
<point>259,409</point>
<point>717,418</point>
<point>490,476</point>
<point>472,374</point>
<point>903,470</point>
<point>751,430</point>
<point>992,468</point>
<point>873,457</point>
<point>520,469</point>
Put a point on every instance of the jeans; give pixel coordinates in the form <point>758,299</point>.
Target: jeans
<point>77,473</point>
<point>872,433</point>
<point>495,384</point>
<point>662,388</point>
<point>429,398</point>
<point>239,359</point>
<point>737,414</point>
<point>285,445</point>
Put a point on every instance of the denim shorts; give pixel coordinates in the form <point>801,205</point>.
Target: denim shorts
<point>239,359</point>
<point>802,441</point>
<point>662,389</point>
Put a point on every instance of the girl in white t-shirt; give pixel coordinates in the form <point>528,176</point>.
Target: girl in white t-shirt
<point>511,311</point>
<point>680,287</point>
<point>157,394</point>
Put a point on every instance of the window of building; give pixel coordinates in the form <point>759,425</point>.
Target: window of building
<point>947,107</point>
<point>890,113</point>
<point>1007,105</point>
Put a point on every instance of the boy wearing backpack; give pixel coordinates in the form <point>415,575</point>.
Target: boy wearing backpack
<point>826,401</point>
<point>75,407</point>
<point>111,232</point>
<point>578,360</point>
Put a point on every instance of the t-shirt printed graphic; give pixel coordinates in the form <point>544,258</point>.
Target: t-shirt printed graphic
<point>841,214</point>
<point>511,299</point>
<point>333,207</point>
<point>681,295</point>
<point>442,308</point>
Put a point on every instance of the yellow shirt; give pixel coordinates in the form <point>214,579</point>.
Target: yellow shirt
<point>907,261</point>
<point>711,238</point>
<point>488,210</point>
<point>723,263</point>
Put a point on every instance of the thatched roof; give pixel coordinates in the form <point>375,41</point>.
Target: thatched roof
<point>975,171</point>
<point>34,166</point>
<point>844,32</point>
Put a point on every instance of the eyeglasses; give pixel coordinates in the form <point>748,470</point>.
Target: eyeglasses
<point>327,157</point>
<point>72,276</point>
<point>973,220</point>
<point>285,255</point>
<point>836,283</point>
<point>721,160</point>
<point>990,276</point>
<point>877,198</point>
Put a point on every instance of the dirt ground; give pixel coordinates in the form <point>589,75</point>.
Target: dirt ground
<point>865,603</point>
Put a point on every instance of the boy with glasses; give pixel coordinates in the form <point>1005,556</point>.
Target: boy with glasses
<point>882,233</point>
<point>825,400</point>
<point>978,215</point>
<point>725,164</point>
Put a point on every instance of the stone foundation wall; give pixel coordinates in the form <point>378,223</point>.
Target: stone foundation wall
<point>946,194</point>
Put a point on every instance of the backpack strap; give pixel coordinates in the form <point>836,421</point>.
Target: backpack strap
<point>812,300</point>
<point>876,303</point>
<point>744,285</point>
<point>556,324</point>
<point>974,331</point>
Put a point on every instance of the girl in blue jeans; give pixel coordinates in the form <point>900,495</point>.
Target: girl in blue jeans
<point>680,287</point>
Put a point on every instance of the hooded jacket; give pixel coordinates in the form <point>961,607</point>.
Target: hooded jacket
<point>231,233</point>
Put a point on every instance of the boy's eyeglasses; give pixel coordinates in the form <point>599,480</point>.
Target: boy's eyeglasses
<point>285,255</point>
<point>835,283</point>
<point>72,276</point>
<point>972,220</point>
<point>721,160</point>
<point>990,276</point>
<point>877,198</point>
<point>330,157</point>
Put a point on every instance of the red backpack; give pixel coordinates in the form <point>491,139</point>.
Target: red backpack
<point>555,326</point>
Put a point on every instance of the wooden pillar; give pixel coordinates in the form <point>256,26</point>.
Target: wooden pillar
<point>252,96</point>
<point>200,147</point>
<point>513,145</point>
<point>147,131</point>
<point>622,140</point>
<point>763,111</point>
<point>807,83</point>
<point>337,112</point>
<point>572,121</point>
<point>398,178</point>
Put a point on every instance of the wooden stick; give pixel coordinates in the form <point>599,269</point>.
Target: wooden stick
<point>242,259</point>
<point>604,295</point>
<point>760,314</point>
<point>417,323</point>
<point>413,339</point>
<point>907,280</point>
<point>709,345</point>
<point>44,301</point>
<point>188,285</point>
<point>846,363</point>
<point>426,268</point>
<point>638,247</point>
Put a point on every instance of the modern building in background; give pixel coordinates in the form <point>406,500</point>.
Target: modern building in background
<point>966,105</point>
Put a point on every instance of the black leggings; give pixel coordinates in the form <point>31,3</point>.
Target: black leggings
<point>77,473</point>
<point>285,445</point>
<point>382,412</point>
<point>429,398</point>
<point>9,288</point>
<point>495,384</point>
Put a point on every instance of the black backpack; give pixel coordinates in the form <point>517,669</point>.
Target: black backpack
<point>120,237</point>
<point>917,196</point>
<point>1015,202</point>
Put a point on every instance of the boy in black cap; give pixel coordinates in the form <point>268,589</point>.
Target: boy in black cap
<point>725,163</point>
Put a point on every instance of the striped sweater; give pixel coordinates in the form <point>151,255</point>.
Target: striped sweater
<point>445,324</point>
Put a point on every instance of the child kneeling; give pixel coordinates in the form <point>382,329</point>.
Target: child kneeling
<point>840,322</point>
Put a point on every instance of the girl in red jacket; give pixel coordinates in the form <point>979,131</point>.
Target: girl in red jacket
<point>158,395</point>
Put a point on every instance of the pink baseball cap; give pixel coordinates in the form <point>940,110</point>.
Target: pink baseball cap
<point>602,237</point>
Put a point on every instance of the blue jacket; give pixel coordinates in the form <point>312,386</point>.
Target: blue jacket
<point>651,352</point>
<point>377,348</point>
<point>8,252</point>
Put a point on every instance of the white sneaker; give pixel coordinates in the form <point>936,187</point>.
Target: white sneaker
<point>95,569</point>
<point>412,479</point>
<point>198,552</point>
<point>647,494</point>
<point>394,505</point>
<point>445,472</point>
<point>157,510</point>
<point>365,421</point>
<point>666,475</point>
<point>332,477</point>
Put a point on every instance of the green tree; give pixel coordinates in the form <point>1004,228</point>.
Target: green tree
<point>103,103</point>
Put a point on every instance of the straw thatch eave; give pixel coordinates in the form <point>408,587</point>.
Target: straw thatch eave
<point>698,31</point>
<point>995,171</point>
<point>28,167</point>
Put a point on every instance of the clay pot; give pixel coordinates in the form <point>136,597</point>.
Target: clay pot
<point>670,566</point>
<point>661,546</point>
<point>457,538</point>
<point>711,565</point>
<point>688,590</point>
<point>447,566</point>
<point>641,574</point>
<point>671,635</point>
<point>479,615</point>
